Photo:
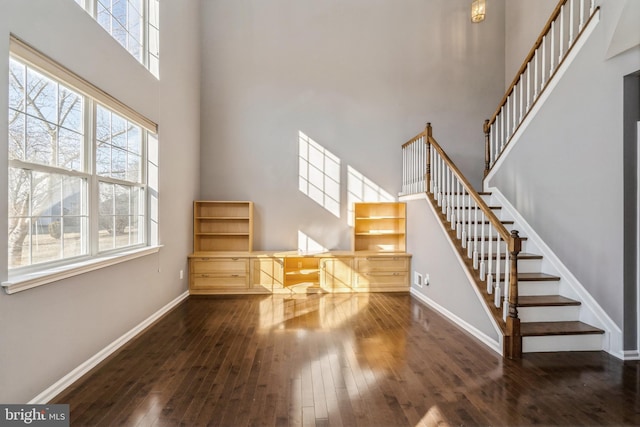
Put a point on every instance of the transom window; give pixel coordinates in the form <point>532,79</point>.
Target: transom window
<point>135,24</point>
<point>78,170</point>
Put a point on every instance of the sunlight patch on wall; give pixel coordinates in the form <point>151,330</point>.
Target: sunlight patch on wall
<point>362,189</point>
<point>319,174</point>
<point>307,245</point>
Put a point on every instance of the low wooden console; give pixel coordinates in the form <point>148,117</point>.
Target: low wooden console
<point>223,261</point>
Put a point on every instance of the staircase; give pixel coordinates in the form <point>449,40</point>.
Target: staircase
<point>528,300</point>
<point>549,321</point>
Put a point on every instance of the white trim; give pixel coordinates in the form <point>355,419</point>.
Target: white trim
<point>573,53</point>
<point>484,338</point>
<point>590,312</point>
<point>631,355</point>
<point>64,382</point>
<point>465,325</point>
<point>637,238</point>
<point>39,60</point>
<point>43,277</point>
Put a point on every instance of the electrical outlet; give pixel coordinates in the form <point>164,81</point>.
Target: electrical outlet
<point>181,274</point>
<point>417,279</point>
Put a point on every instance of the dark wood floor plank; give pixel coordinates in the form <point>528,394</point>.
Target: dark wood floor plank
<point>340,360</point>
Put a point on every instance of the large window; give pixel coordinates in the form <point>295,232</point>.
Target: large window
<point>133,23</point>
<point>78,169</point>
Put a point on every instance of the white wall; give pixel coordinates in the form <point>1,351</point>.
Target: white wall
<point>48,331</point>
<point>449,287</point>
<point>360,77</point>
<point>565,175</point>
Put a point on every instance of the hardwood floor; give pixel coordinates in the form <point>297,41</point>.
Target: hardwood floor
<point>341,360</point>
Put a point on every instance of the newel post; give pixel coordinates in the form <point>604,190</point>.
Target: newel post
<point>513,338</point>
<point>427,177</point>
<point>487,146</point>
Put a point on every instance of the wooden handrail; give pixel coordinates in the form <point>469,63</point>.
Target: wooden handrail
<point>500,228</point>
<point>528,59</point>
<point>419,162</point>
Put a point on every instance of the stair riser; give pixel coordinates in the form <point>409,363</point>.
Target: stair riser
<point>472,229</point>
<point>524,266</point>
<point>538,288</point>
<point>586,342</point>
<point>494,246</point>
<point>549,314</point>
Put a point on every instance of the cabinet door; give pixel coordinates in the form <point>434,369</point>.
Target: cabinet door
<point>378,273</point>
<point>218,275</point>
<point>336,274</point>
<point>266,274</point>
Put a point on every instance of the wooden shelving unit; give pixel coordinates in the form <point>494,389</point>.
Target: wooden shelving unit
<point>222,226</point>
<point>380,227</point>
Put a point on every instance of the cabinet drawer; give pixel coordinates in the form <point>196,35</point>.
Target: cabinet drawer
<point>381,280</point>
<point>218,281</point>
<point>383,264</point>
<point>219,265</point>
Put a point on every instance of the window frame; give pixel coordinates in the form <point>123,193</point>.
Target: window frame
<point>28,276</point>
<point>150,25</point>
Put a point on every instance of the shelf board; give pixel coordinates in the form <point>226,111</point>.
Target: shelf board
<point>377,218</point>
<point>234,218</point>
<point>221,234</point>
<point>380,233</point>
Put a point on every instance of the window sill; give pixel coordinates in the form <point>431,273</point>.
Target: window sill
<point>33,280</point>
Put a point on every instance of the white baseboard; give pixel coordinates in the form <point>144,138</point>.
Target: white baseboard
<point>64,382</point>
<point>631,355</point>
<point>484,338</point>
<point>592,312</point>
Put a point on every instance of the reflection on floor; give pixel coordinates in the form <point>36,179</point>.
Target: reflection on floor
<point>341,359</point>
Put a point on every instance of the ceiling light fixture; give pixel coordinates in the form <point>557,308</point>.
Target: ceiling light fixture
<point>478,9</point>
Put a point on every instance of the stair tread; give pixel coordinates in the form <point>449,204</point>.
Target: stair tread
<point>493,238</point>
<point>534,277</point>
<point>487,222</point>
<point>545,301</point>
<point>533,329</point>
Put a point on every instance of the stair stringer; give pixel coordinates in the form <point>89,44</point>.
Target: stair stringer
<point>590,311</point>
<point>495,345</point>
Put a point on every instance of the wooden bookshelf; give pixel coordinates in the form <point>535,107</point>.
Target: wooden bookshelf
<point>222,226</point>
<point>380,227</point>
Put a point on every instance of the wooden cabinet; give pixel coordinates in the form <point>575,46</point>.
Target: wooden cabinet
<point>301,273</point>
<point>382,273</point>
<point>213,275</point>
<point>223,261</point>
<point>336,274</point>
<point>379,227</point>
<point>222,226</point>
<point>267,274</point>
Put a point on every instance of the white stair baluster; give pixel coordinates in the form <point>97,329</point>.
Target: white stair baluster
<point>497,295</point>
<point>561,35</point>
<point>552,46</point>
<point>507,289</point>
<point>490,266</point>
<point>571,24</point>
<point>476,235</point>
<point>482,263</point>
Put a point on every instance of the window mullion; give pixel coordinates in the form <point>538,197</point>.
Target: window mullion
<point>93,197</point>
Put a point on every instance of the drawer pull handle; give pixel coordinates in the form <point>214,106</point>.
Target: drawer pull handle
<point>204,259</point>
<point>205,275</point>
<point>234,275</point>
<point>234,259</point>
